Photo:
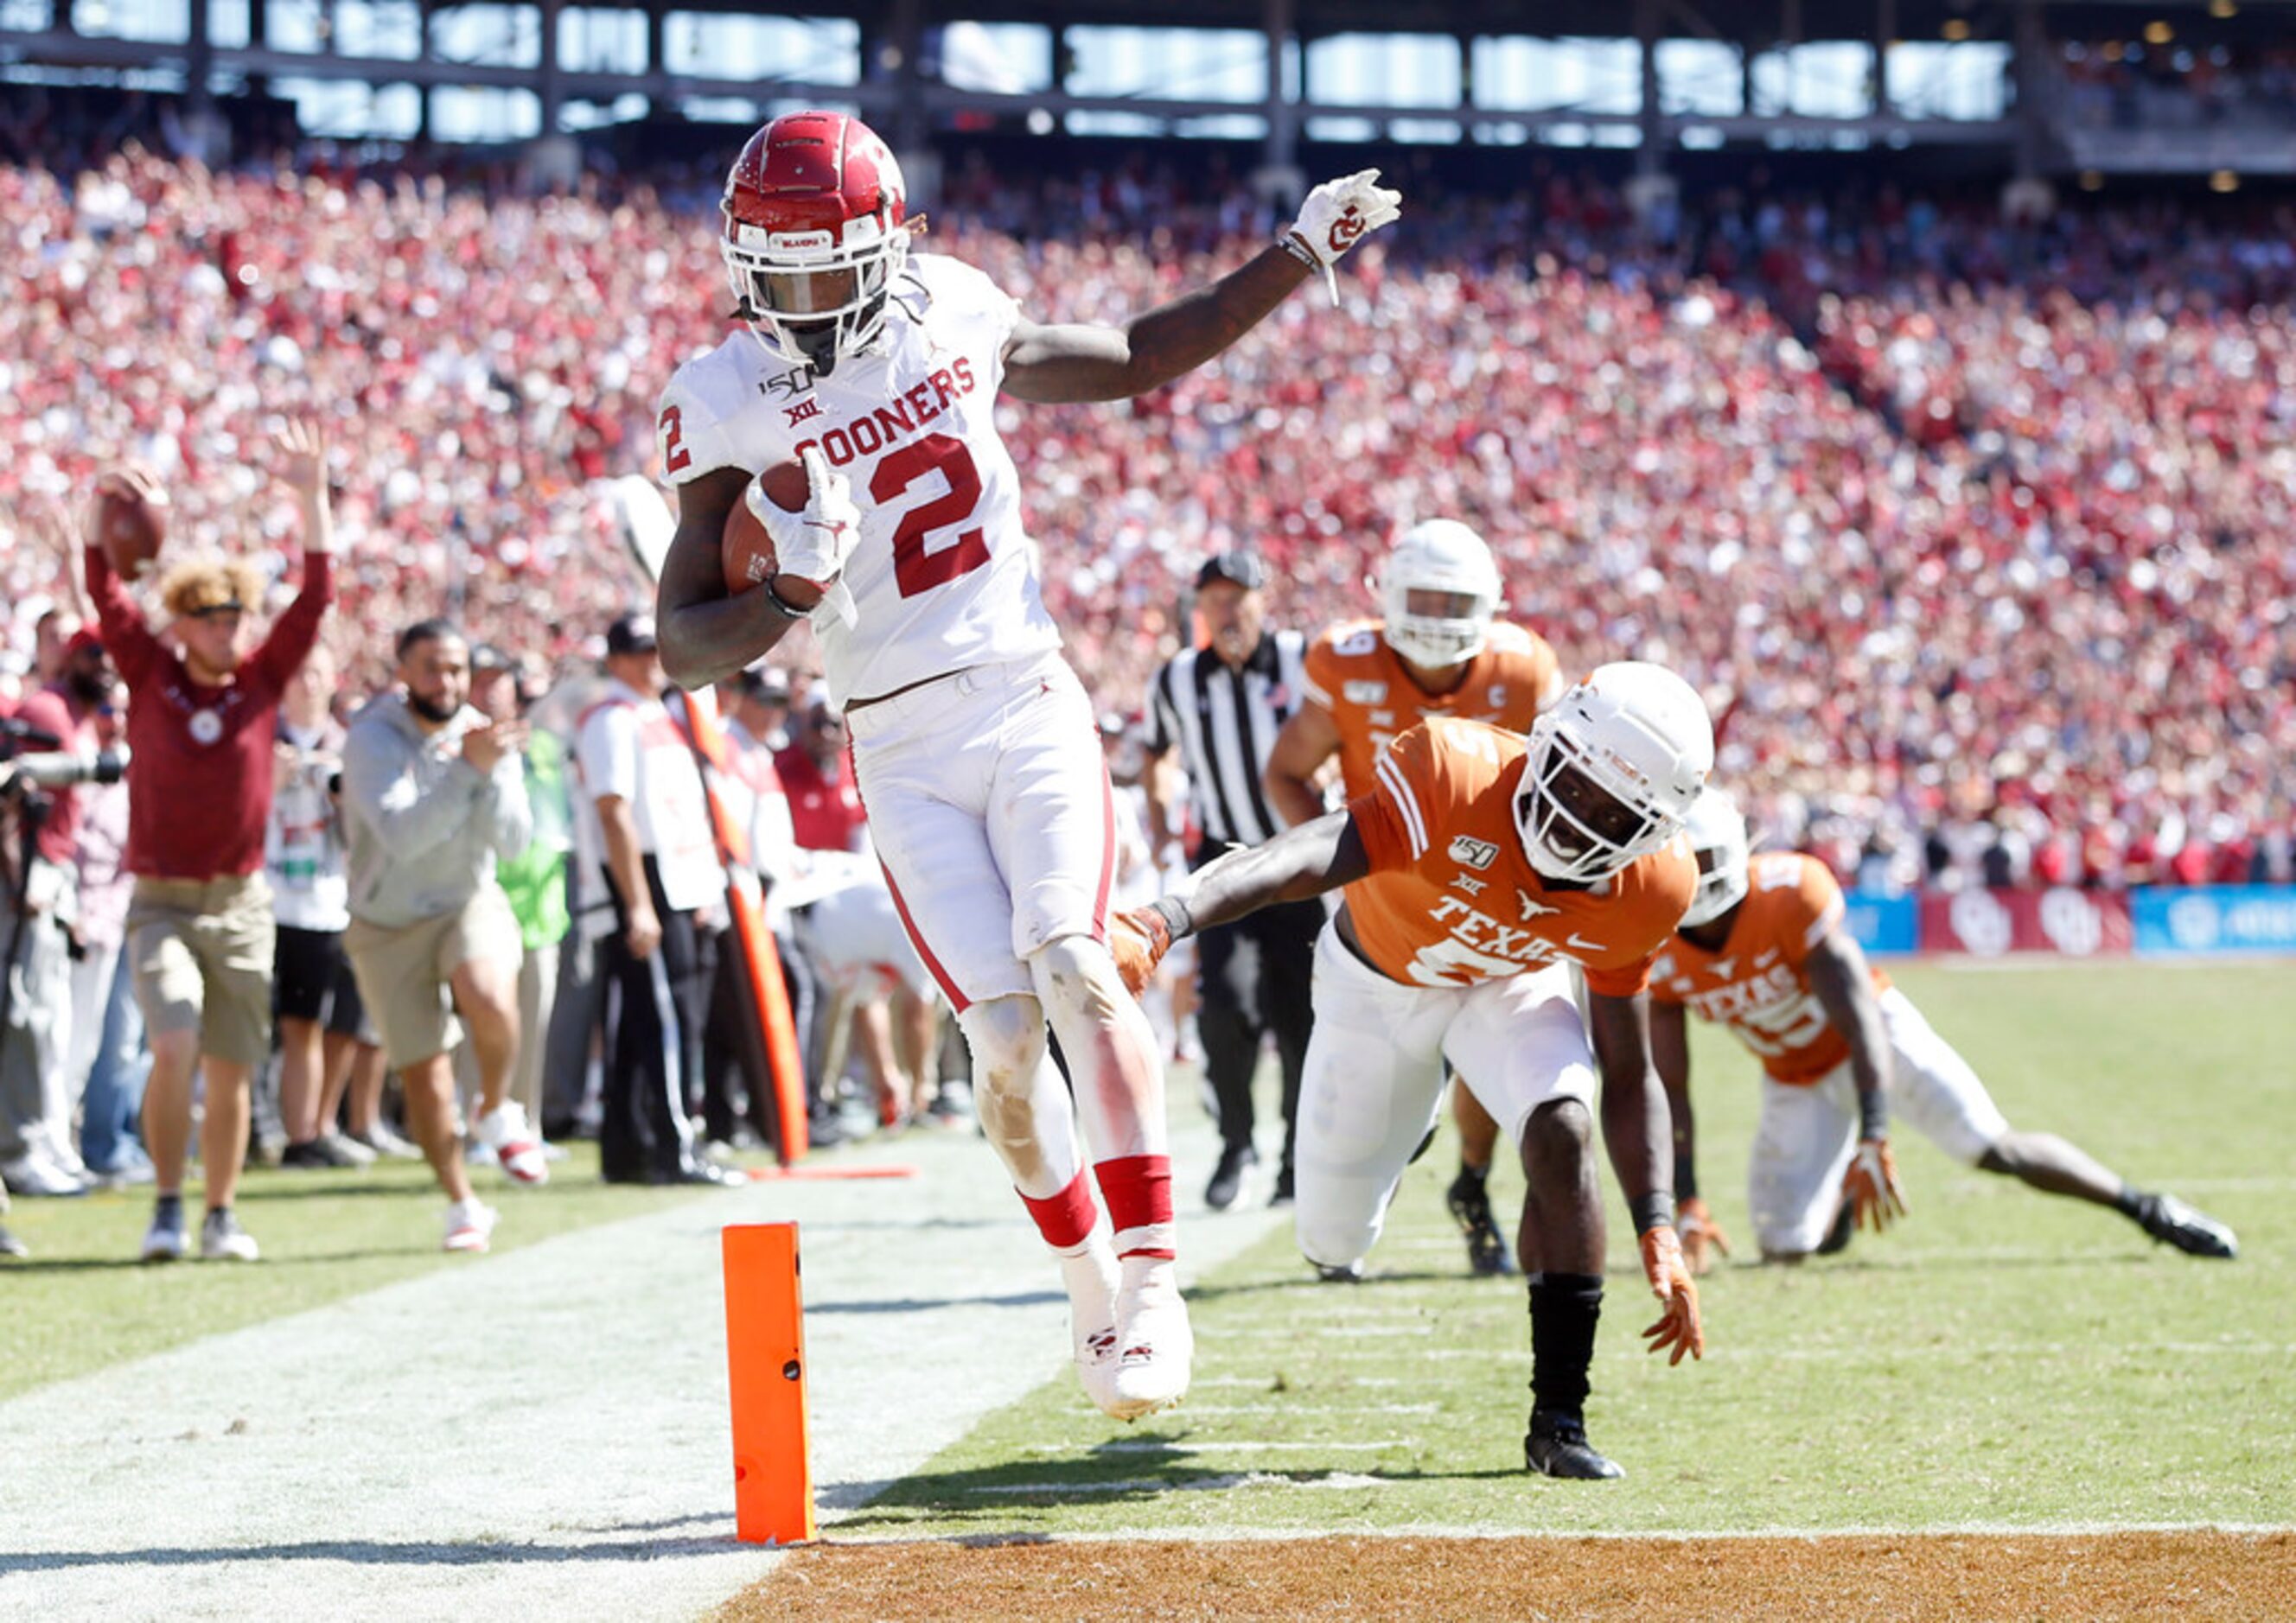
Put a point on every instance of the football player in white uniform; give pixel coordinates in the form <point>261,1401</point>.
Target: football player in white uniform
<point>974,742</point>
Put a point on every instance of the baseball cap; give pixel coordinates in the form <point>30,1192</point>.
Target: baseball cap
<point>81,642</point>
<point>769,683</point>
<point>488,656</point>
<point>1239,566</point>
<point>631,634</point>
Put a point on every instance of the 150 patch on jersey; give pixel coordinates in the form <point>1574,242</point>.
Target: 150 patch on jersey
<point>1473,853</point>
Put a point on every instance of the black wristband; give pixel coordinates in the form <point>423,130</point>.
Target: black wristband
<point>1176,915</point>
<point>782,605</point>
<point>1652,1210</point>
<point>1686,1177</point>
<point>1874,1115</point>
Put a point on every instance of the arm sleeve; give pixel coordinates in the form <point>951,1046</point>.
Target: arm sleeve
<point>1813,906</point>
<point>133,650</point>
<point>285,651</point>
<point>1390,817</point>
<point>381,791</point>
<point>609,753</point>
<point>691,437</point>
<point>508,812</point>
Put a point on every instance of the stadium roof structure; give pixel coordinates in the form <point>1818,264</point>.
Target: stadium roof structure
<point>2032,129</point>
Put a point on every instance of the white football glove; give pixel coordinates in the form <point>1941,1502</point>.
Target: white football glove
<point>1335,217</point>
<point>813,541</point>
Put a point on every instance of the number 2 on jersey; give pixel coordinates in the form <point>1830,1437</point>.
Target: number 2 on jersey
<point>916,569</point>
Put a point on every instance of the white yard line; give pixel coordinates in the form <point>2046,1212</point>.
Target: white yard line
<point>542,1432</point>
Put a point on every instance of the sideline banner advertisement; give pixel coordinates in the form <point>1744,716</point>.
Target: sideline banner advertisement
<point>2178,923</point>
<point>1990,923</point>
<point>1885,926</point>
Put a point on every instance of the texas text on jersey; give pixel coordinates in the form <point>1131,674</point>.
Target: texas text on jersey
<point>1363,683</point>
<point>1755,984</point>
<point>942,578</point>
<point>1451,899</point>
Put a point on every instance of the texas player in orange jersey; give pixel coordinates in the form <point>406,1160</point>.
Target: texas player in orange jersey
<point>1437,651</point>
<point>1762,949</point>
<point>1480,866</point>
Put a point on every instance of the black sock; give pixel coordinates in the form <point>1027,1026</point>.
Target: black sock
<point>2130,1202</point>
<point>1563,1310</point>
<point>1473,1175</point>
<point>218,1212</point>
<point>168,1206</point>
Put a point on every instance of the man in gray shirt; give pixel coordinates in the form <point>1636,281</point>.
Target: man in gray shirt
<point>433,792</point>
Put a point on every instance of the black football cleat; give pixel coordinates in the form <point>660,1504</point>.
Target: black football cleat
<point>1837,1238</point>
<point>1228,1176</point>
<point>2170,1221</point>
<point>1340,1273</point>
<point>1556,1445</point>
<point>1470,1201</point>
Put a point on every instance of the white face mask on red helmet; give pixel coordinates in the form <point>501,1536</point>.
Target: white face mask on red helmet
<point>814,236</point>
<point>1612,769</point>
<point>1440,558</point>
<point>1717,839</point>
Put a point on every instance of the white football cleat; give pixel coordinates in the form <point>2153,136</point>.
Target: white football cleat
<point>517,1147</point>
<point>470,1225</point>
<point>1091,1278</point>
<point>1154,1345</point>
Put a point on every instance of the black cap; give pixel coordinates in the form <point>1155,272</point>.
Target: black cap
<point>489,656</point>
<point>1242,567</point>
<point>631,634</point>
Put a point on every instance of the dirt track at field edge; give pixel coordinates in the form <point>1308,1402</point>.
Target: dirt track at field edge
<point>2181,1574</point>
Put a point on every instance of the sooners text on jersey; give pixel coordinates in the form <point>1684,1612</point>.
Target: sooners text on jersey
<point>942,578</point>
<point>1755,984</point>
<point>1451,900</point>
<point>1363,683</point>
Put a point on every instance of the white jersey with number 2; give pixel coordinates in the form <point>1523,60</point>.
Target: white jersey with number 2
<point>943,577</point>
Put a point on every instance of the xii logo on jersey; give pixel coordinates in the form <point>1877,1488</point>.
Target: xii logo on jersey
<point>1473,853</point>
<point>803,409</point>
<point>1363,692</point>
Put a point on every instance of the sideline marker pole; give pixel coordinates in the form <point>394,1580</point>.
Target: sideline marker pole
<point>765,1356</point>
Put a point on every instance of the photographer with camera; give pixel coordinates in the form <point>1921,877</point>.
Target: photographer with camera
<point>46,750</point>
<point>201,720</point>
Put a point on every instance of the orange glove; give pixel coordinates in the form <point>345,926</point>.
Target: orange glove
<point>1871,1185</point>
<point>1139,938</point>
<point>1670,1282</point>
<point>1702,1239</point>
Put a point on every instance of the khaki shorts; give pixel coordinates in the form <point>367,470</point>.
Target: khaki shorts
<point>404,972</point>
<point>200,952</point>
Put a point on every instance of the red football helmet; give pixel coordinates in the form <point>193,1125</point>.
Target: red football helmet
<point>814,236</point>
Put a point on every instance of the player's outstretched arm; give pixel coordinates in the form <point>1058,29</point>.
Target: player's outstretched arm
<point>1635,1132</point>
<point>1844,985</point>
<point>1063,363</point>
<point>1298,864</point>
<point>1702,1239</point>
<point>706,635</point>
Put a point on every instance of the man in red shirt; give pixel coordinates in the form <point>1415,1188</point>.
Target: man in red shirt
<point>200,717</point>
<point>817,772</point>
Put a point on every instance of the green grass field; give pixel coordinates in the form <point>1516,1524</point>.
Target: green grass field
<point>2002,1358</point>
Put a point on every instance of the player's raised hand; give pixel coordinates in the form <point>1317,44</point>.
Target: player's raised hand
<point>1139,938</point>
<point>1870,1185</point>
<point>1678,1327</point>
<point>1338,215</point>
<point>302,448</point>
<point>1702,1239</point>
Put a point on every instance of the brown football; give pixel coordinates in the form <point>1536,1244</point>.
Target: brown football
<point>131,525</point>
<point>749,551</point>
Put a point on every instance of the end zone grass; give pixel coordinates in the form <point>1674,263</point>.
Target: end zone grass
<point>2002,1359</point>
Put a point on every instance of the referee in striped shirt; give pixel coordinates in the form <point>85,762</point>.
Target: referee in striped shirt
<point>1221,705</point>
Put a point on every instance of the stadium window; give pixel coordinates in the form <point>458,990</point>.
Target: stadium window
<point>159,20</point>
<point>1592,76</point>
<point>1385,71</point>
<point>1002,58</point>
<point>601,40</point>
<point>714,45</point>
<point>1168,64</point>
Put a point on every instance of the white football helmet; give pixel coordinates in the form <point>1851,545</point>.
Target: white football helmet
<point>1717,838</point>
<point>1441,556</point>
<point>1613,767</point>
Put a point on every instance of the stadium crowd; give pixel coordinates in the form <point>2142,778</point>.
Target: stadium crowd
<point>1972,533</point>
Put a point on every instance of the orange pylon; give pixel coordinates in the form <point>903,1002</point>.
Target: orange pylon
<point>765,1357</point>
